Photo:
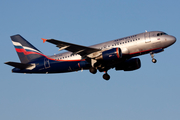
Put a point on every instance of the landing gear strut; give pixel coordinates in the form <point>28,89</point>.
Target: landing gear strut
<point>153,59</point>
<point>106,76</point>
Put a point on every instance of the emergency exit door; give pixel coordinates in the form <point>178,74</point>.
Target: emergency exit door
<point>46,63</point>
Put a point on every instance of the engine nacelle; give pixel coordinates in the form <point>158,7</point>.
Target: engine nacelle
<point>111,54</point>
<point>129,65</point>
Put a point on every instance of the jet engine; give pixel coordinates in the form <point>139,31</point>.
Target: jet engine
<point>129,65</point>
<point>111,54</point>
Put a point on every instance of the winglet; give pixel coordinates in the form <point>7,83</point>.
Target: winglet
<point>44,40</point>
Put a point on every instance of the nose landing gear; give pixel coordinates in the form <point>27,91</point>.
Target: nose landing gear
<point>153,59</point>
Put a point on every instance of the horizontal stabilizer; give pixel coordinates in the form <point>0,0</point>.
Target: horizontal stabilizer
<point>18,65</point>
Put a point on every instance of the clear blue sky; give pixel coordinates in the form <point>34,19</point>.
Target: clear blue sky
<point>150,93</point>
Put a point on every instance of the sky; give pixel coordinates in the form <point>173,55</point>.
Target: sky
<point>149,93</point>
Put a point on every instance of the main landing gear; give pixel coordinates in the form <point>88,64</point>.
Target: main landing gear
<point>106,76</point>
<point>93,70</point>
<point>153,59</point>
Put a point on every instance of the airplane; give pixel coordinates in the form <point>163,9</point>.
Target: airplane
<point>118,54</point>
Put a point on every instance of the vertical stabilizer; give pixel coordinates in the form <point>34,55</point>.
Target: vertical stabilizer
<point>25,50</point>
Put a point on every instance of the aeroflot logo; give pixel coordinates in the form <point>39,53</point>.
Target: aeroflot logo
<point>19,46</point>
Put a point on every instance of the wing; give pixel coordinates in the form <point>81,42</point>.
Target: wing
<point>76,49</point>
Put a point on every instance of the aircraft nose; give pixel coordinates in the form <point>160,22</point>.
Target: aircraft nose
<point>169,40</point>
<point>173,39</point>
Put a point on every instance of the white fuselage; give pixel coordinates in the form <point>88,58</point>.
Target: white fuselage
<point>135,44</point>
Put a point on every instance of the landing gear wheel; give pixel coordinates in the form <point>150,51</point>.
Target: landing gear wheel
<point>152,56</point>
<point>154,60</point>
<point>93,70</point>
<point>106,76</point>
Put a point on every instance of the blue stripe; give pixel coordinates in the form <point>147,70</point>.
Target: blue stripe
<point>18,46</point>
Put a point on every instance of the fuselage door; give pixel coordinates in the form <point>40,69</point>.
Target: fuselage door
<point>46,63</point>
<point>147,37</point>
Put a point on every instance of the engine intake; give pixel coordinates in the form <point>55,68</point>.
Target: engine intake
<point>114,53</point>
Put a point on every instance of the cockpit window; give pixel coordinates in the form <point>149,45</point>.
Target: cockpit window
<point>159,34</point>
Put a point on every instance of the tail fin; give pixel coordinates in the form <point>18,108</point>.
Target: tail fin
<point>25,50</point>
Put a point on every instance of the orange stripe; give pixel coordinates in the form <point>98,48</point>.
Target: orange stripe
<point>28,52</point>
